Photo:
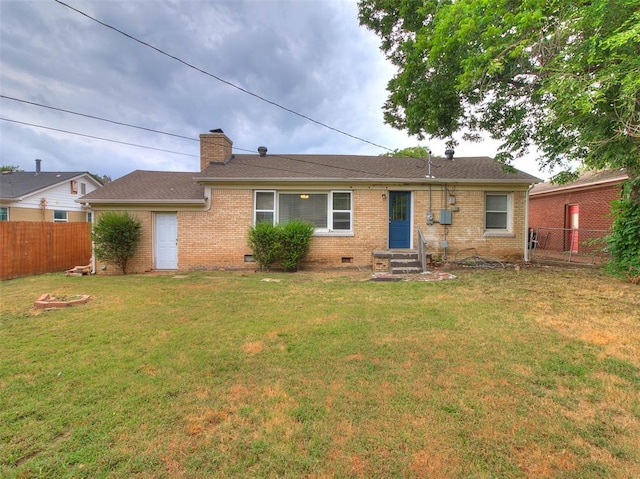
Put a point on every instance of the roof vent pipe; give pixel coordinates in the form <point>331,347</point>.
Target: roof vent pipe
<point>448,153</point>
<point>262,150</point>
<point>38,165</point>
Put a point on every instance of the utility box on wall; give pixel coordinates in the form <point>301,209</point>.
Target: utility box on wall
<point>445,217</point>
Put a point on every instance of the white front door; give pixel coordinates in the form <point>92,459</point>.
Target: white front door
<point>166,234</point>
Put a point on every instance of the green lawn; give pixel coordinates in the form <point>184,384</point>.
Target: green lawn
<point>497,374</point>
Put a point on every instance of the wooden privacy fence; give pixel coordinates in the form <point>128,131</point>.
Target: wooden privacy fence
<point>28,248</point>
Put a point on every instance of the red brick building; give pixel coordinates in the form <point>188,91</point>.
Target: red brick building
<point>583,205</point>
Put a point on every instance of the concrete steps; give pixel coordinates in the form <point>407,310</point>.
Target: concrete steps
<point>397,261</point>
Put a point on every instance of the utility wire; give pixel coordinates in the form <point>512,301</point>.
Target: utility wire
<point>300,160</point>
<point>269,167</point>
<point>226,82</point>
<point>96,137</point>
<point>97,118</point>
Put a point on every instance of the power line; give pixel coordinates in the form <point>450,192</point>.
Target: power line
<point>269,167</point>
<point>226,82</point>
<point>300,160</point>
<point>97,118</point>
<point>97,137</point>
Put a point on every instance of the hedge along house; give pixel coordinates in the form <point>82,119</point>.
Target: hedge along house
<point>358,204</point>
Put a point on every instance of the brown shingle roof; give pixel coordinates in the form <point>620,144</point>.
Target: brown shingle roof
<point>149,186</point>
<point>17,184</point>
<point>351,167</point>
<point>585,180</point>
<point>188,187</point>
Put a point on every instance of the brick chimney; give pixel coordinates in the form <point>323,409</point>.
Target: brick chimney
<point>215,147</point>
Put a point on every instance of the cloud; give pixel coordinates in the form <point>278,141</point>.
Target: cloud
<point>309,56</point>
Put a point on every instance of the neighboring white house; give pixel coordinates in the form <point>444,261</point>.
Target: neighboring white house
<point>45,196</point>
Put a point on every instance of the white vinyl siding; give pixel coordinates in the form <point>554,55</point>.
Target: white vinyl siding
<point>57,197</point>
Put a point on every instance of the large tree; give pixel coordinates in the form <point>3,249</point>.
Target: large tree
<point>563,76</point>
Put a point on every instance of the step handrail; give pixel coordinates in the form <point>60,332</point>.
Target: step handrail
<point>422,250</point>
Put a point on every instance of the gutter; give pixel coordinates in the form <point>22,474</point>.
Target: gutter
<point>585,186</point>
<point>124,201</point>
<point>526,223</point>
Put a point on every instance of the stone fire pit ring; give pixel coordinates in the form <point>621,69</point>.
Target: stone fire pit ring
<point>47,301</point>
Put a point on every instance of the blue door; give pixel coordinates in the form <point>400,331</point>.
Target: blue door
<point>399,219</point>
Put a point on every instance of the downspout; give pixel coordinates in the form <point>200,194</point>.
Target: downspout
<point>526,224</point>
<point>208,199</point>
<point>443,203</point>
<point>93,245</point>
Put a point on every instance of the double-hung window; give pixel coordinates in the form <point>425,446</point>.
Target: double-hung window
<point>327,211</point>
<point>341,211</point>
<point>497,216</point>
<point>4,213</point>
<point>265,207</point>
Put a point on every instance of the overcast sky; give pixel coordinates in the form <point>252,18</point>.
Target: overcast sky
<point>310,56</point>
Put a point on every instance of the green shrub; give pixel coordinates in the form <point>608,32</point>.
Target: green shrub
<point>264,240</point>
<point>296,239</point>
<point>624,241</point>
<point>287,244</point>
<point>116,236</point>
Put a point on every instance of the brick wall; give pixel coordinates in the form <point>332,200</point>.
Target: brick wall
<point>549,210</point>
<point>217,238</point>
<point>143,258</point>
<point>370,222</point>
<point>467,224</point>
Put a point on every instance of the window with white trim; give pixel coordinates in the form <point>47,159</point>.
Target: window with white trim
<point>328,211</point>
<point>497,212</point>
<point>311,207</point>
<point>341,211</point>
<point>60,216</point>
<point>4,213</point>
<point>265,207</point>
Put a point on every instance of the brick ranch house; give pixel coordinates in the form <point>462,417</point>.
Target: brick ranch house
<point>583,205</point>
<point>359,204</point>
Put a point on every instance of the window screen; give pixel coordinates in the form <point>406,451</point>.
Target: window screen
<point>496,211</point>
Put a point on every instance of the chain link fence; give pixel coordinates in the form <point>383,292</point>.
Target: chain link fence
<point>566,245</point>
